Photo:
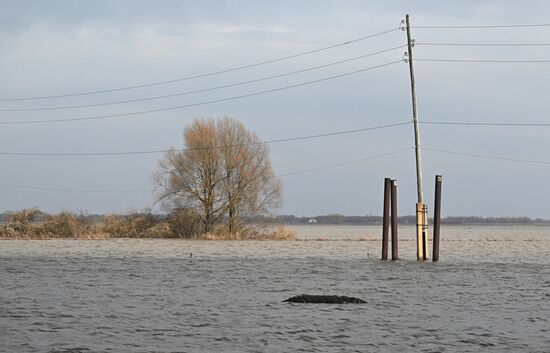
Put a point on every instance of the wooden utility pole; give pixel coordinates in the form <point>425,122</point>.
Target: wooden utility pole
<point>421,209</point>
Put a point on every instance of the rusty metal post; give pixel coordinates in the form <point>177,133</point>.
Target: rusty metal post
<point>424,232</point>
<point>394,245</point>
<point>386,218</point>
<point>437,217</point>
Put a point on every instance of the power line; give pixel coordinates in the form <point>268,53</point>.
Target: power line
<point>119,115</point>
<point>484,26</point>
<point>30,187</point>
<point>487,156</point>
<point>205,74</point>
<point>483,61</point>
<point>204,89</point>
<point>475,155</point>
<point>345,163</point>
<point>204,148</point>
<point>485,44</point>
<point>476,123</point>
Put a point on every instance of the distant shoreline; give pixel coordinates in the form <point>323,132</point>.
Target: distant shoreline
<point>34,224</point>
<point>272,237</point>
<point>501,225</point>
<point>368,220</point>
<point>341,220</point>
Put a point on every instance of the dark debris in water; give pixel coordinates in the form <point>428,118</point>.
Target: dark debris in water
<point>324,299</point>
<point>70,350</point>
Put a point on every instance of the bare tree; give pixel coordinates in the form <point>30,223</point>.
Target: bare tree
<point>191,178</point>
<point>224,174</point>
<point>250,186</point>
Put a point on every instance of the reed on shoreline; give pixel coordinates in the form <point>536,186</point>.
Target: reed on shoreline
<point>35,224</point>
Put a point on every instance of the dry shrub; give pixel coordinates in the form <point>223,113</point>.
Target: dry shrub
<point>8,230</point>
<point>66,225</point>
<point>180,223</point>
<point>183,223</point>
<point>24,224</point>
<point>19,223</point>
<point>160,230</point>
<point>221,232</point>
<point>134,225</point>
<point>253,233</point>
<point>281,233</point>
<point>117,226</point>
<point>25,216</point>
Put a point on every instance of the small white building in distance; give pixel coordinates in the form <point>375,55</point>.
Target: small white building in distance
<point>312,220</point>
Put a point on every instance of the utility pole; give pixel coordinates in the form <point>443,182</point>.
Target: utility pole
<point>421,209</point>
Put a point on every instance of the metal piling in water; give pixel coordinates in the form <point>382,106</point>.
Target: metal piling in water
<point>390,219</point>
<point>437,217</point>
<point>386,218</point>
<point>394,245</point>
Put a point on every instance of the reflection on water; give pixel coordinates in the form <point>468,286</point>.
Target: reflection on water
<point>489,292</point>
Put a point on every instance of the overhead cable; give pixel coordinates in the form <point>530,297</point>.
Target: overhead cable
<point>41,154</point>
<point>120,115</point>
<point>485,26</point>
<point>187,78</point>
<point>21,186</point>
<point>346,163</point>
<point>479,123</point>
<point>204,89</point>
<point>476,155</point>
<point>30,187</point>
<point>481,60</point>
<point>484,44</point>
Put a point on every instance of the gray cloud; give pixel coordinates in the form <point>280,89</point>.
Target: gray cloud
<point>57,47</point>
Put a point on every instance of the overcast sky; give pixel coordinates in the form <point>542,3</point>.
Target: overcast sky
<point>61,47</point>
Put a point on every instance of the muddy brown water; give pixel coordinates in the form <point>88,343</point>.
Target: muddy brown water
<point>489,293</point>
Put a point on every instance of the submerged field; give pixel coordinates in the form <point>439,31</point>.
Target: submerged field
<point>489,292</point>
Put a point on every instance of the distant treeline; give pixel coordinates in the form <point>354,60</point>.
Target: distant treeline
<point>355,220</point>
<point>376,220</point>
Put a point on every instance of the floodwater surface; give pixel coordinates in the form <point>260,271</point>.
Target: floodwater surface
<point>489,293</point>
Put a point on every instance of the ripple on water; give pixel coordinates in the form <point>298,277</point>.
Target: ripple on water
<point>140,295</point>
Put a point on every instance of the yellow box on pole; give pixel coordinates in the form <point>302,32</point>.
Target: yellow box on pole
<point>421,231</point>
